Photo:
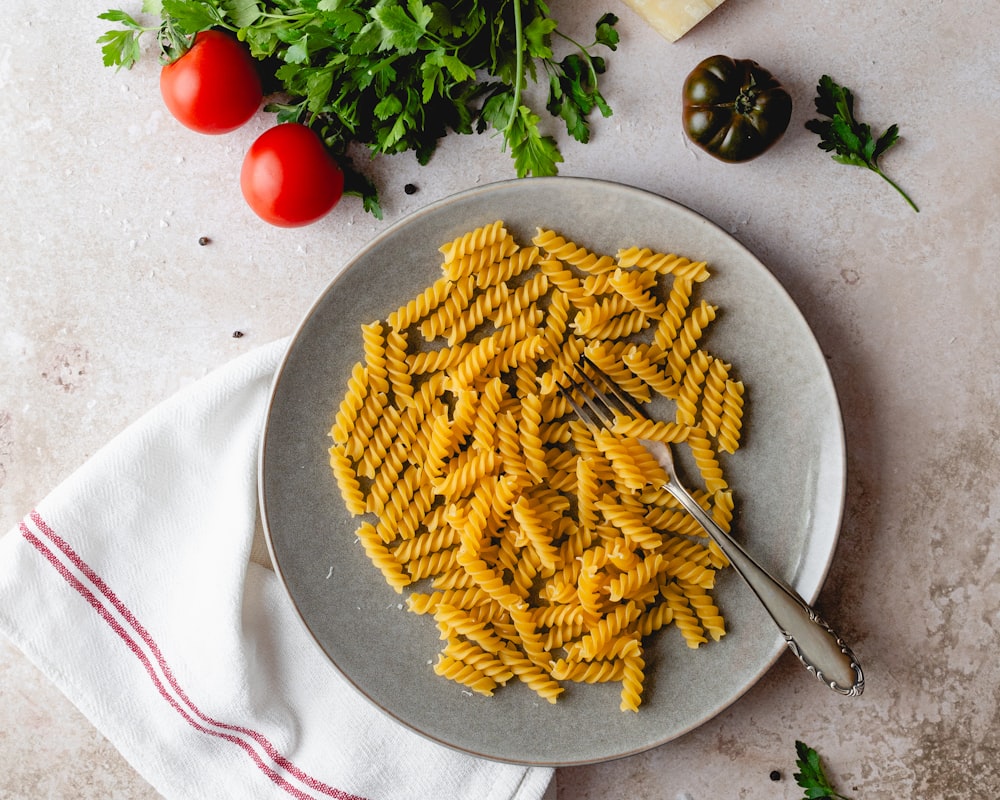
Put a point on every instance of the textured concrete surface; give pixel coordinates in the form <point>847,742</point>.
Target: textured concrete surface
<point>108,304</point>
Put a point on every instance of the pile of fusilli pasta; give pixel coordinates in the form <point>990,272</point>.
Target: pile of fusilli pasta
<point>545,552</point>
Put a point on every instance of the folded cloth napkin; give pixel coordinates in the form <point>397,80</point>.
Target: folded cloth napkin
<point>140,588</point>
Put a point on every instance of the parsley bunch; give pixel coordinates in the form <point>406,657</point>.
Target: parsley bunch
<point>398,75</point>
<point>849,140</point>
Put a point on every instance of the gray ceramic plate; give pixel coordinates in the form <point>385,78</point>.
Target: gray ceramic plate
<point>788,478</point>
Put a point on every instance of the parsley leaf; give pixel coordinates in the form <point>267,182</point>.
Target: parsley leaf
<point>193,17</point>
<point>121,46</point>
<point>402,28</point>
<point>534,154</point>
<point>243,13</point>
<point>573,94</point>
<point>811,776</point>
<point>850,141</point>
<point>606,33</point>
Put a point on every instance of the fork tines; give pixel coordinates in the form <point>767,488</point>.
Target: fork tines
<point>601,407</point>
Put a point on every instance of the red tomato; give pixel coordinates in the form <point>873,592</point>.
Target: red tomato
<point>214,87</point>
<point>289,177</point>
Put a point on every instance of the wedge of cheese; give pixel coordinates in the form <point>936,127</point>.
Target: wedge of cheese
<point>673,18</point>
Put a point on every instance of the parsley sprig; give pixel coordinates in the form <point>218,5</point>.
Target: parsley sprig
<point>122,46</point>
<point>396,76</point>
<point>811,776</point>
<point>850,141</point>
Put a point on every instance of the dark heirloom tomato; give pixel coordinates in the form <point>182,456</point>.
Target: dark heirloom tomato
<point>734,109</point>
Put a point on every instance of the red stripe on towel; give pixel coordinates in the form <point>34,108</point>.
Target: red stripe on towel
<point>137,650</point>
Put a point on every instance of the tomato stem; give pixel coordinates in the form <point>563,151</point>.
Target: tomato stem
<point>746,100</point>
<point>173,43</point>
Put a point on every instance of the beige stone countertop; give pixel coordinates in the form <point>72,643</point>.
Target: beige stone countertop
<point>109,304</point>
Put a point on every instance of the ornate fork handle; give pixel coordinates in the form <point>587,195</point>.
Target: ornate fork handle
<point>813,641</point>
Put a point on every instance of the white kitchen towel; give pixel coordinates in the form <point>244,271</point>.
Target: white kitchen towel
<point>136,586</point>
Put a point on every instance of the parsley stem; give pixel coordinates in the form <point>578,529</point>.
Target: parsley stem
<point>282,20</point>
<point>896,186</point>
<point>584,52</point>
<point>518,68</point>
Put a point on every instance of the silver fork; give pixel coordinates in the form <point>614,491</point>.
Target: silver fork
<point>812,640</point>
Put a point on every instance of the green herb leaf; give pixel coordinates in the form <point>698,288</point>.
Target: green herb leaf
<point>243,13</point>
<point>606,33</point>
<point>357,185</point>
<point>402,31</point>
<point>537,37</point>
<point>116,15</point>
<point>848,140</point>
<point>811,776</point>
<point>573,94</point>
<point>121,47</point>
<point>534,154</point>
<point>193,16</point>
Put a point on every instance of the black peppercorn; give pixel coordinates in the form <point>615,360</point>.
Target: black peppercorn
<point>775,775</point>
<point>410,188</point>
